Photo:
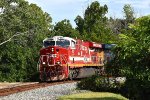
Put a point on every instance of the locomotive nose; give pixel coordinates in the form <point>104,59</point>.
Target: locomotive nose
<point>48,50</point>
<point>50,56</point>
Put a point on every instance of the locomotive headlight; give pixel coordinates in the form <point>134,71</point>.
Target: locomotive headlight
<point>44,63</point>
<point>52,49</point>
<point>58,62</point>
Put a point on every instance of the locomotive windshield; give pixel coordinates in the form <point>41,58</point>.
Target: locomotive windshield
<point>62,43</point>
<point>49,43</point>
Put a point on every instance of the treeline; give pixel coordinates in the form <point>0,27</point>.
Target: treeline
<point>26,25</point>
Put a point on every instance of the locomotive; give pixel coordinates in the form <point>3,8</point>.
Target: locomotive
<point>68,58</point>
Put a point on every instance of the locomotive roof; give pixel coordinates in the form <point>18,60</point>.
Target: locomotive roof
<point>86,43</point>
<point>93,44</point>
<point>68,38</point>
<point>56,38</point>
<point>108,46</point>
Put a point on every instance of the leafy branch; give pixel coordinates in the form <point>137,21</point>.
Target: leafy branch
<point>15,35</point>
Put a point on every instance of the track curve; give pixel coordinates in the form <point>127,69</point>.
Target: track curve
<point>12,90</point>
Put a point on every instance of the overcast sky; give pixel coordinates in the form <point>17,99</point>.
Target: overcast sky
<point>69,9</point>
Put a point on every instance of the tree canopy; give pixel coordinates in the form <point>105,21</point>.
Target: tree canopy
<point>129,13</point>
<point>64,28</point>
<point>132,58</point>
<point>18,57</point>
<point>93,26</point>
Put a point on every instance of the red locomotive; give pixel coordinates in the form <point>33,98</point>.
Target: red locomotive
<point>64,57</point>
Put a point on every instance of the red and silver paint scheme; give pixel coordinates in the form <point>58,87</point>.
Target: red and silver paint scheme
<point>65,57</point>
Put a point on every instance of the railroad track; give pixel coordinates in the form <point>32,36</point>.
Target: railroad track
<point>16,89</point>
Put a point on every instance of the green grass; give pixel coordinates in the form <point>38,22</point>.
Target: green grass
<point>93,96</point>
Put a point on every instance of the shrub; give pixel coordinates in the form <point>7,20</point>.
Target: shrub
<point>87,83</point>
<point>99,83</point>
<point>136,89</point>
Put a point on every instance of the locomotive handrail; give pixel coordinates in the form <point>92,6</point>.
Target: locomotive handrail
<point>48,56</point>
<point>38,65</point>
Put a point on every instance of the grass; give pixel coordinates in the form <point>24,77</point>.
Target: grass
<point>93,96</point>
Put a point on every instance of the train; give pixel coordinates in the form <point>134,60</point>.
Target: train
<point>64,58</point>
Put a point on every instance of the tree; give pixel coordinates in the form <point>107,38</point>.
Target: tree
<point>94,16</point>
<point>64,28</point>
<point>80,24</point>
<point>118,25</point>
<point>18,57</point>
<point>133,59</point>
<point>129,14</point>
<point>93,26</point>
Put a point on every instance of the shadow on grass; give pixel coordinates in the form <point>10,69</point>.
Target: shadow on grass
<point>101,98</point>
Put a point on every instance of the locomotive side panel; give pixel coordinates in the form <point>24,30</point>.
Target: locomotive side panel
<point>84,55</point>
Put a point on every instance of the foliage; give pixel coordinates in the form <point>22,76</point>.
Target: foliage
<point>93,27</point>
<point>64,28</point>
<point>121,25</point>
<point>97,83</point>
<point>133,58</point>
<point>18,58</point>
<point>136,89</point>
<point>129,13</point>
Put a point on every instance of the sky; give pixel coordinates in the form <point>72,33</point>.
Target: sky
<point>69,9</point>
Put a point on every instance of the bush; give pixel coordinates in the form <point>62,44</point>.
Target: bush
<point>136,89</point>
<point>99,83</point>
<point>87,83</point>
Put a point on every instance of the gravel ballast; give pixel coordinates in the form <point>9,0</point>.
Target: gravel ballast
<point>46,93</point>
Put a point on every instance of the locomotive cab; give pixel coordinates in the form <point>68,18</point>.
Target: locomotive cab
<point>53,48</point>
<point>53,56</point>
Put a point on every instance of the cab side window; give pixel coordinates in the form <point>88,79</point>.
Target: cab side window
<point>73,44</point>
